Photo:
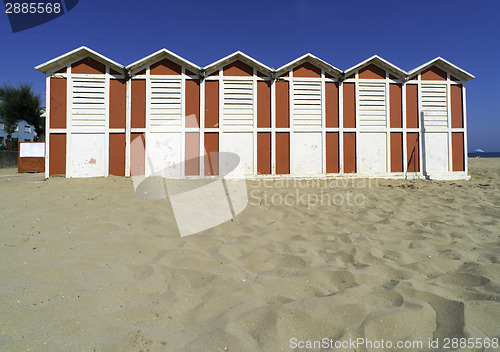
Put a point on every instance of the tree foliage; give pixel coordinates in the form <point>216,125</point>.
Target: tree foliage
<point>18,104</point>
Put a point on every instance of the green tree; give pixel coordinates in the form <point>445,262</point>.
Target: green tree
<point>18,104</point>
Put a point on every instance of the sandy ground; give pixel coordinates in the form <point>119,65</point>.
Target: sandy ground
<point>86,265</point>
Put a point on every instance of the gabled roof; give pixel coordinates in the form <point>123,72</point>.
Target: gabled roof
<point>238,55</point>
<point>377,60</point>
<point>446,66</point>
<point>74,55</point>
<point>159,55</point>
<point>313,59</point>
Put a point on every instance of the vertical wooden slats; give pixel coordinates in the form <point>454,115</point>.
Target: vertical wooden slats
<point>117,103</point>
<point>117,154</point>
<point>332,152</point>
<point>457,140</point>
<point>282,105</point>
<point>138,113</point>
<point>192,162</point>
<point>137,156</point>
<point>396,152</point>
<point>395,99</point>
<point>349,105</point>
<point>282,153</point>
<point>212,156</point>
<point>332,104</point>
<point>457,120</point>
<point>264,104</point>
<point>349,152</point>
<point>192,111</point>
<point>211,104</point>
<point>263,153</point>
<point>412,155</point>
<point>58,101</point>
<point>412,106</point>
<point>57,154</point>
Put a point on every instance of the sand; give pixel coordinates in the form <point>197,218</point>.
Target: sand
<point>86,265</point>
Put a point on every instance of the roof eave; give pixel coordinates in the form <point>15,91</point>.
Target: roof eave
<point>234,57</point>
<point>162,53</point>
<point>74,55</point>
<point>395,70</point>
<point>447,66</point>
<point>309,57</point>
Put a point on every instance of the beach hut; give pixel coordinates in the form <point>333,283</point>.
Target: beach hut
<point>163,115</point>
<point>237,113</point>
<point>373,112</point>
<point>307,117</point>
<point>164,109</point>
<point>85,106</point>
<point>437,93</point>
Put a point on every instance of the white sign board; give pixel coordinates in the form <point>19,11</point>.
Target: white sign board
<point>32,150</point>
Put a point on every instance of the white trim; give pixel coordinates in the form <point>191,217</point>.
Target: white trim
<point>182,155</point>
<point>404,129</point>
<point>356,105</point>
<point>69,120</point>
<point>202,128</point>
<point>221,120</point>
<point>464,123</point>
<point>107,94</point>
<point>323,123</point>
<point>290,122</point>
<point>128,126</point>
<point>47,126</point>
<point>421,128</point>
<point>341,127</point>
<point>147,122</point>
<point>448,125</point>
<point>255,117</point>
<point>388,149</point>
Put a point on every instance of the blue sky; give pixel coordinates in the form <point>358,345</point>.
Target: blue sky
<point>343,33</point>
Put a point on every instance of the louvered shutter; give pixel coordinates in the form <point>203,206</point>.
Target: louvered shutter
<point>434,105</point>
<point>306,103</point>
<point>165,103</point>
<point>237,109</point>
<point>88,104</point>
<point>372,107</point>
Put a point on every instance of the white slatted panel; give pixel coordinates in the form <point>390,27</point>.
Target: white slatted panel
<point>165,102</point>
<point>88,104</point>
<point>434,105</point>
<point>306,103</point>
<point>372,107</point>
<point>237,108</point>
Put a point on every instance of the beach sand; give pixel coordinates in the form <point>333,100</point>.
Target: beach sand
<point>86,265</point>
